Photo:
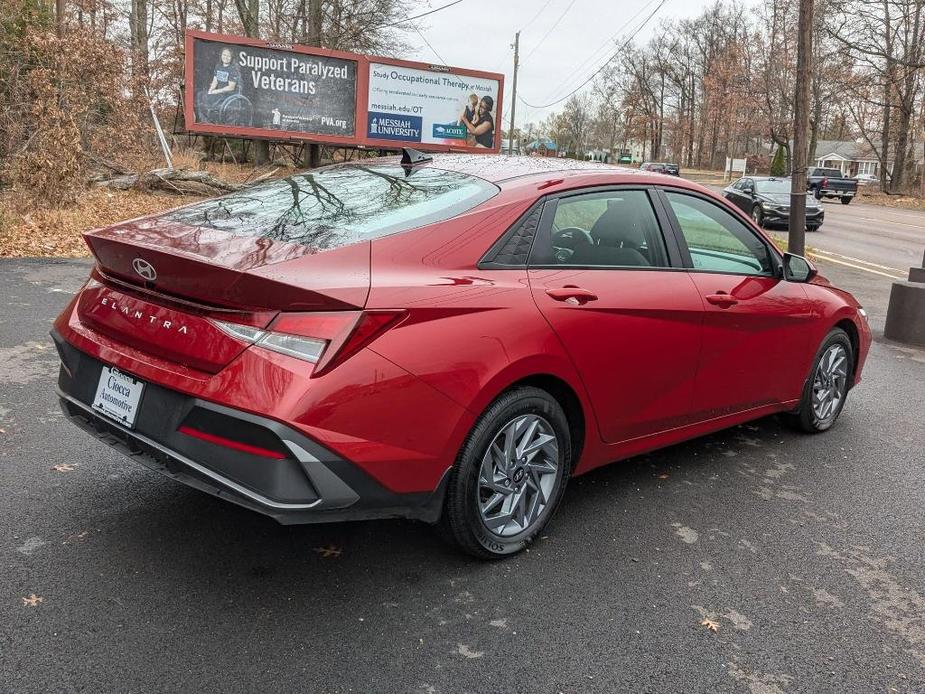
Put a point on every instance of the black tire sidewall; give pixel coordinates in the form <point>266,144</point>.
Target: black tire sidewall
<point>807,417</point>
<point>758,215</point>
<point>461,514</point>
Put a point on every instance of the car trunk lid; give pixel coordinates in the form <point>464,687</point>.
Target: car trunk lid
<point>159,284</point>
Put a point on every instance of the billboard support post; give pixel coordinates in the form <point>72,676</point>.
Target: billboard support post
<point>160,133</point>
<point>510,135</point>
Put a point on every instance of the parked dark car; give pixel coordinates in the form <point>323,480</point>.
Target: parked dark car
<point>830,183</point>
<point>767,200</point>
<point>661,167</point>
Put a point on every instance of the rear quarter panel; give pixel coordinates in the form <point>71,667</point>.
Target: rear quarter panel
<point>470,333</point>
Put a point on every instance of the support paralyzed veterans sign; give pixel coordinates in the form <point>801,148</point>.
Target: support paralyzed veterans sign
<point>272,89</point>
<point>244,87</point>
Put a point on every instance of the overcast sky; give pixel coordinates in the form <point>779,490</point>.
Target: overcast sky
<point>579,36</point>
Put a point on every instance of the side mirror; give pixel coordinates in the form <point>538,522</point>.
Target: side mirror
<point>797,268</point>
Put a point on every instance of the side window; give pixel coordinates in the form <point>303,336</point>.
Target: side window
<point>612,229</point>
<point>719,242</point>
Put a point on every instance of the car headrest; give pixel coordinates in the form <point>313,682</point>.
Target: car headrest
<point>621,225</point>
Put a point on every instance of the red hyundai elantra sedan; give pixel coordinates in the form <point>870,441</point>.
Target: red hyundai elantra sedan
<point>444,338</point>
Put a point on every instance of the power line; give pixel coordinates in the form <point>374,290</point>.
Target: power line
<point>607,42</point>
<point>418,16</point>
<point>601,68</point>
<point>434,50</point>
<point>362,30</point>
<point>554,25</point>
<point>545,5</point>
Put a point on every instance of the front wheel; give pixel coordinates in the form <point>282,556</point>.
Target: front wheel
<point>846,200</point>
<point>758,215</point>
<point>826,388</point>
<point>812,229</point>
<point>509,476</point>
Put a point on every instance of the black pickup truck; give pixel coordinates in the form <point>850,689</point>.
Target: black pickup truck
<point>829,183</point>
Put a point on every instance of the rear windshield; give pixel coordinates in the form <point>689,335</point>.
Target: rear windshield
<point>340,205</point>
<point>777,185</point>
<point>831,173</point>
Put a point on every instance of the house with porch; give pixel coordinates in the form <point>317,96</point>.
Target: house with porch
<point>850,157</point>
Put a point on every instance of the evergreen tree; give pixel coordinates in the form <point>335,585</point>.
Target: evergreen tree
<point>779,163</point>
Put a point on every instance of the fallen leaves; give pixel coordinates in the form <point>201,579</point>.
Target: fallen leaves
<point>32,601</point>
<point>710,624</point>
<point>329,551</point>
<point>58,232</point>
<point>64,467</point>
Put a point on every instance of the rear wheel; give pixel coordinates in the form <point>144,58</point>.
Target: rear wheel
<point>846,200</point>
<point>758,215</point>
<point>510,475</point>
<point>826,388</point>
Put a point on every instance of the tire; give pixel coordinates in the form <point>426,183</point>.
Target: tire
<point>808,417</point>
<point>758,215</point>
<point>812,229</point>
<point>480,494</point>
<point>846,201</point>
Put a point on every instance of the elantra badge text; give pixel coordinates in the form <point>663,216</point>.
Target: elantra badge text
<point>135,314</point>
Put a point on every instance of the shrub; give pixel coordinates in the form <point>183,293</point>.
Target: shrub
<point>779,163</point>
<point>64,101</point>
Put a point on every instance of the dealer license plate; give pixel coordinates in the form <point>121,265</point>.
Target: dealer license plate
<point>118,395</point>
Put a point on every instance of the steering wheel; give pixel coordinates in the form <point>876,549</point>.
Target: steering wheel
<point>565,241</point>
<point>571,238</point>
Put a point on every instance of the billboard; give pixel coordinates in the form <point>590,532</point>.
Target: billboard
<point>430,106</point>
<point>272,89</point>
<point>242,87</point>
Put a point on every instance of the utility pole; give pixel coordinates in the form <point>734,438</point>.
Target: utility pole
<point>510,135</point>
<point>796,240</point>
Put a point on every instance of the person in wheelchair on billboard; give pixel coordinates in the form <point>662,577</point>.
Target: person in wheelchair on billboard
<point>223,101</point>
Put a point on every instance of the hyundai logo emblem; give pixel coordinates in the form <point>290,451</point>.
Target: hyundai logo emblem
<point>145,269</point>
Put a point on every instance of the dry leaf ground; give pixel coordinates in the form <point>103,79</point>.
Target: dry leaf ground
<point>57,232</point>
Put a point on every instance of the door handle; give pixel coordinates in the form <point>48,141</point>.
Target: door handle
<point>572,295</point>
<point>722,299</point>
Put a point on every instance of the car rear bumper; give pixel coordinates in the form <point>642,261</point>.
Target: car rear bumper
<point>832,193</point>
<point>305,483</point>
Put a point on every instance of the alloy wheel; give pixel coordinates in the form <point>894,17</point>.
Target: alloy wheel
<point>518,475</point>
<point>830,382</point>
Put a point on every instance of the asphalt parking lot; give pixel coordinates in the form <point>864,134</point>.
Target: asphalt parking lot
<point>754,560</point>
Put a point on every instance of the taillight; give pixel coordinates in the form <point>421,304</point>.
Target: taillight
<point>324,338</point>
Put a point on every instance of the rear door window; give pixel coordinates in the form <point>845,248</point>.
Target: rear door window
<point>340,205</point>
<point>608,229</point>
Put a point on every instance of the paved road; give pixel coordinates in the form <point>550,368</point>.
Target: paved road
<point>882,239</point>
<point>808,553</point>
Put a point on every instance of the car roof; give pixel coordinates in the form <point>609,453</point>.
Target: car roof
<point>524,173</point>
<point>497,168</point>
